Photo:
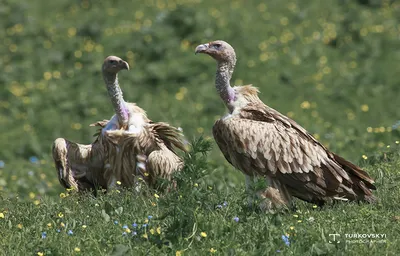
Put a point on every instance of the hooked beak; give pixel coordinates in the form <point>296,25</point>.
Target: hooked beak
<point>125,65</point>
<point>201,48</point>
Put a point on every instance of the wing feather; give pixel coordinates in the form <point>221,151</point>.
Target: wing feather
<point>260,141</point>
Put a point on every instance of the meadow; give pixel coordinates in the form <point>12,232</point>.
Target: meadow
<point>333,67</point>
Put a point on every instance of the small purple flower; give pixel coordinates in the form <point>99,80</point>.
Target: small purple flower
<point>125,226</point>
<point>134,225</point>
<point>70,232</point>
<point>115,222</point>
<point>225,204</point>
<point>30,173</point>
<point>134,233</point>
<point>219,206</point>
<point>285,239</point>
<point>124,234</point>
<point>149,217</point>
<point>33,159</point>
<point>2,164</point>
<point>236,219</point>
<point>44,235</point>
<point>58,231</point>
<point>144,225</point>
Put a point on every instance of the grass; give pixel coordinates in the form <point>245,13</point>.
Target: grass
<point>199,219</point>
<point>334,69</point>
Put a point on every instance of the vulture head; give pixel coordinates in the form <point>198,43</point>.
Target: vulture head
<point>114,64</point>
<point>220,50</point>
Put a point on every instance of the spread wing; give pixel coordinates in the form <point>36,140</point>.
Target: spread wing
<point>261,141</point>
<point>157,143</point>
<point>78,166</point>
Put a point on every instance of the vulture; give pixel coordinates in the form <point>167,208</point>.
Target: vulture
<point>128,148</point>
<point>263,143</point>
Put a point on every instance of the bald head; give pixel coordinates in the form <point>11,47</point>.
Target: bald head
<point>219,50</point>
<point>114,64</point>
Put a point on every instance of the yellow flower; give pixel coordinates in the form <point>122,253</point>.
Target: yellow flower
<point>127,230</point>
<point>196,185</point>
<point>62,224</point>
<point>212,250</point>
<point>291,228</point>
<point>146,220</point>
<point>60,215</point>
<point>1,215</point>
<point>296,216</point>
<point>31,195</point>
<point>146,174</point>
<point>63,195</point>
<point>159,230</point>
<point>364,108</point>
<point>203,234</point>
<point>299,221</point>
<point>156,196</point>
<point>49,225</point>
<point>364,157</point>
<point>305,105</point>
<point>178,253</point>
<point>19,226</point>
<point>314,206</point>
<point>119,182</point>
<point>84,226</point>
<point>40,254</point>
<point>77,249</point>
<point>152,231</point>
<point>36,202</point>
<point>144,236</point>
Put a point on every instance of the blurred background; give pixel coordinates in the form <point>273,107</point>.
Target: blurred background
<point>333,66</point>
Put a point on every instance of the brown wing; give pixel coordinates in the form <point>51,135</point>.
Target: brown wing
<point>168,135</point>
<point>78,166</point>
<point>261,141</point>
<point>156,142</point>
<point>163,163</point>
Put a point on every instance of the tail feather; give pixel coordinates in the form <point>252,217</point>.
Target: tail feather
<point>355,170</point>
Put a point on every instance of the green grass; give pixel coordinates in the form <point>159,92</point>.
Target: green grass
<point>333,68</point>
<point>198,218</point>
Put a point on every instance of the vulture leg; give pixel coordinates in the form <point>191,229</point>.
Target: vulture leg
<point>276,196</point>
<point>140,171</point>
<point>249,189</point>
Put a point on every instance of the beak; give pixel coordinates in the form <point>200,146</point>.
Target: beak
<point>201,48</point>
<point>125,65</point>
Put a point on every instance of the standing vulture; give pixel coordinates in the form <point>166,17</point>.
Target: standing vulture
<point>261,142</point>
<point>128,147</point>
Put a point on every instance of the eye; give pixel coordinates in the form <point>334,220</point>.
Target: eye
<point>217,46</point>
<point>112,61</point>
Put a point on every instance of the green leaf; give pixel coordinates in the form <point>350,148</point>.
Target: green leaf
<point>119,250</point>
<point>105,216</point>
